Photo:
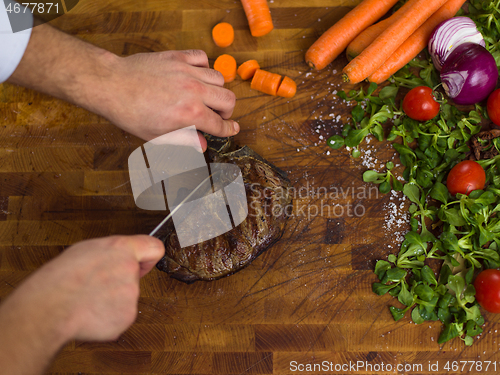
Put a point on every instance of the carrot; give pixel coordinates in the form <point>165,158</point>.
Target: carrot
<point>226,64</point>
<point>248,69</point>
<point>368,35</point>
<point>258,16</point>
<point>388,42</point>
<point>287,88</point>
<point>364,39</point>
<point>266,82</point>
<point>416,42</point>
<point>337,38</point>
<point>223,34</point>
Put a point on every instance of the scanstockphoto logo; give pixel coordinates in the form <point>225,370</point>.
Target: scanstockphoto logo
<point>311,201</point>
<point>20,14</point>
<point>204,200</point>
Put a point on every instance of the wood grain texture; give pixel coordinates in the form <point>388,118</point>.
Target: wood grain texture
<point>63,178</point>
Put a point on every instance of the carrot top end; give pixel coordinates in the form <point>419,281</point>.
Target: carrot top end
<point>311,64</point>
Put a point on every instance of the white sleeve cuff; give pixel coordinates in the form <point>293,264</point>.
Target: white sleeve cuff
<point>12,45</point>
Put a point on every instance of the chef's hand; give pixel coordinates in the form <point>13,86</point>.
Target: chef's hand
<point>147,94</point>
<point>97,283</point>
<point>89,292</point>
<point>155,93</point>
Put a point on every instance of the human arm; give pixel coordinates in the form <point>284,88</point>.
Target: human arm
<point>89,292</point>
<point>147,95</point>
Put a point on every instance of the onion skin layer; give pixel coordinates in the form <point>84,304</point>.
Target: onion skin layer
<point>469,74</point>
<point>448,35</point>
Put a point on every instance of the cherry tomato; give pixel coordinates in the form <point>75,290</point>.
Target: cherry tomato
<point>419,104</point>
<point>465,177</point>
<point>487,285</point>
<point>493,107</point>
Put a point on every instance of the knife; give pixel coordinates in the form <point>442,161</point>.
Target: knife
<point>162,223</point>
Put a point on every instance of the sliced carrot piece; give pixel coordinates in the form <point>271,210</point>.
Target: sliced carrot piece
<point>336,38</point>
<point>258,16</point>
<point>248,69</point>
<point>287,88</point>
<point>266,82</point>
<point>226,64</point>
<point>223,34</point>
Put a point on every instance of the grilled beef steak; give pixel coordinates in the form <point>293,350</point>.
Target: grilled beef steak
<point>269,205</point>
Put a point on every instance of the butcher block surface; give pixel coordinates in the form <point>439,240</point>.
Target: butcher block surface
<point>308,299</point>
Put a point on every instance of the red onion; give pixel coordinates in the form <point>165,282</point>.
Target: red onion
<point>469,74</point>
<point>448,35</point>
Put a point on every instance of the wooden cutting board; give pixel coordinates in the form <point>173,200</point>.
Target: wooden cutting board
<point>306,300</point>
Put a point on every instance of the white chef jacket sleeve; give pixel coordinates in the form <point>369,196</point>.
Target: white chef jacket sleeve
<point>12,45</point>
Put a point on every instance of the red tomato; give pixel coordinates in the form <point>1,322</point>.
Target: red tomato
<point>493,107</point>
<point>419,104</point>
<point>487,285</point>
<point>465,177</point>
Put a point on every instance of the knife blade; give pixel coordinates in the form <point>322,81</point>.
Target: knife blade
<point>176,208</point>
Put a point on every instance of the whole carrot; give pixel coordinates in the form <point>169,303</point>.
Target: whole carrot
<point>368,35</point>
<point>416,42</point>
<point>336,38</point>
<point>258,16</point>
<point>365,38</point>
<point>389,41</point>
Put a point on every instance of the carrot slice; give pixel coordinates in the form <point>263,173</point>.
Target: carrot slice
<point>248,69</point>
<point>258,16</point>
<point>287,88</point>
<point>223,34</point>
<point>416,42</point>
<point>226,64</point>
<point>336,38</point>
<point>389,41</point>
<point>265,82</point>
<point>368,35</point>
